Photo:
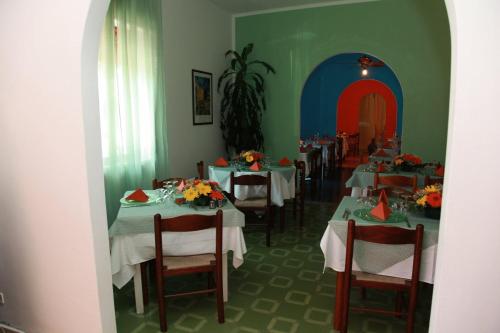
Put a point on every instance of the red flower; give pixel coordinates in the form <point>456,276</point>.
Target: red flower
<point>213,184</point>
<point>196,182</point>
<point>216,195</point>
<point>257,156</point>
<point>412,159</point>
<point>434,199</point>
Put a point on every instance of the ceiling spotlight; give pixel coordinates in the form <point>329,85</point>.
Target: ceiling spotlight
<point>364,72</point>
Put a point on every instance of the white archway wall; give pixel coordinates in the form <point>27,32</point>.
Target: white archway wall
<point>466,297</point>
<point>55,273</point>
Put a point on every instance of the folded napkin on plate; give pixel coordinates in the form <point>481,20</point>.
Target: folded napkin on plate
<point>380,153</point>
<point>181,186</point>
<point>380,167</point>
<point>381,211</point>
<point>383,197</point>
<point>138,195</point>
<point>255,166</point>
<point>221,162</point>
<point>439,171</point>
<point>285,161</point>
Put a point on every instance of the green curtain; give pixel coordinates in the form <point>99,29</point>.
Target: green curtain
<point>132,98</point>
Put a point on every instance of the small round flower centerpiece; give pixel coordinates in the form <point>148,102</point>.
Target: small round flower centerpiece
<point>406,162</point>
<point>201,192</point>
<point>430,198</point>
<point>250,156</point>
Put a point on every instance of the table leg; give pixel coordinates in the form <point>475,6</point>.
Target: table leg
<point>339,292</point>
<point>139,304</point>
<point>224,277</point>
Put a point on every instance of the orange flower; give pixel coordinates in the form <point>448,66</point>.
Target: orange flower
<point>216,195</point>
<point>434,199</point>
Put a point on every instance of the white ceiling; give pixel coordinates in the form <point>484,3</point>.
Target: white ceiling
<point>245,6</point>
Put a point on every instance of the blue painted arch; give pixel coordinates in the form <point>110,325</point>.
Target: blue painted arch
<point>318,105</point>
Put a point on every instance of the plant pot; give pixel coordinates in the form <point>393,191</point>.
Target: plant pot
<point>432,213</point>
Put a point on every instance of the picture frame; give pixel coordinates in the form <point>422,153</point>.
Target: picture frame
<point>202,97</point>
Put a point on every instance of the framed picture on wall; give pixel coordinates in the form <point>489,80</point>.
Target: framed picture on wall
<point>202,98</point>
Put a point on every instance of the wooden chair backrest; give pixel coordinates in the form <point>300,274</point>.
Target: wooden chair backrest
<point>433,180</point>
<point>316,161</point>
<point>396,181</point>
<point>389,236</point>
<point>200,167</point>
<point>252,180</point>
<point>331,155</point>
<point>186,223</point>
<point>300,175</point>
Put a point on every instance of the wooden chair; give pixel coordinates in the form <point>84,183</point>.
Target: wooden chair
<point>395,181</point>
<point>160,183</point>
<point>340,150</point>
<point>300,190</point>
<point>316,171</point>
<point>433,180</point>
<point>167,266</point>
<point>353,142</point>
<point>390,236</point>
<point>332,161</point>
<point>200,166</point>
<point>255,205</point>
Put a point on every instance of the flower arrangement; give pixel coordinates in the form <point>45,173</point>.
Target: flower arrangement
<point>200,192</point>
<point>406,162</point>
<point>251,156</point>
<point>430,196</point>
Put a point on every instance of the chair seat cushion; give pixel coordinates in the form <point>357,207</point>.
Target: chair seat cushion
<point>252,202</point>
<point>368,277</point>
<point>188,261</point>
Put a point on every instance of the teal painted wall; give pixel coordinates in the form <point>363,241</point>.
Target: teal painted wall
<point>411,36</point>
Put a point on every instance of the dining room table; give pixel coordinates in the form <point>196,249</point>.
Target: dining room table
<point>132,238</point>
<point>282,181</point>
<point>393,260</point>
<point>363,176</point>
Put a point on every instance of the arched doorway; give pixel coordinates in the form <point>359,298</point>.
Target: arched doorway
<point>368,108</point>
<point>334,77</point>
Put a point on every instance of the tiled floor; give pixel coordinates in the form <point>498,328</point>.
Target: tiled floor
<point>278,289</point>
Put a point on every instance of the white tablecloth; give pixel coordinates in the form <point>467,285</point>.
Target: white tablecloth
<point>129,250</point>
<point>334,248</point>
<point>282,183</point>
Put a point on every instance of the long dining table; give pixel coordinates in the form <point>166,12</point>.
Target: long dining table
<point>132,239</point>
<point>394,260</point>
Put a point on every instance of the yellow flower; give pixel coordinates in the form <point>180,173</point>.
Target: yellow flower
<point>422,201</point>
<point>245,154</point>
<point>203,189</point>
<point>431,189</point>
<point>398,161</point>
<point>191,193</point>
<point>249,158</point>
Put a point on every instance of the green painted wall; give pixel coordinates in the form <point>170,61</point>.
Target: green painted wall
<point>411,36</point>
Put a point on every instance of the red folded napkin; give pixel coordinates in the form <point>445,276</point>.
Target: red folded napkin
<point>381,211</point>
<point>138,195</point>
<point>303,149</point>
<point>439,171</point>
<point>380,167</point>
<point>380,153</point>
<point>221,162</point>
<point>255,166</point>
<point>383,197</point>
<point>285,161</point>
<point>181,186</point>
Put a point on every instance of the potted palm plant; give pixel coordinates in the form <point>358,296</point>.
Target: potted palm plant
<point>243,101</point>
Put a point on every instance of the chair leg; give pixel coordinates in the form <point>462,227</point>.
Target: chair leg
<point>219,294</point>
<point>295,207</point>
<point>282,218</point>
<point>161,303</point>
<point>301,211</point>
<point>144,279</point>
